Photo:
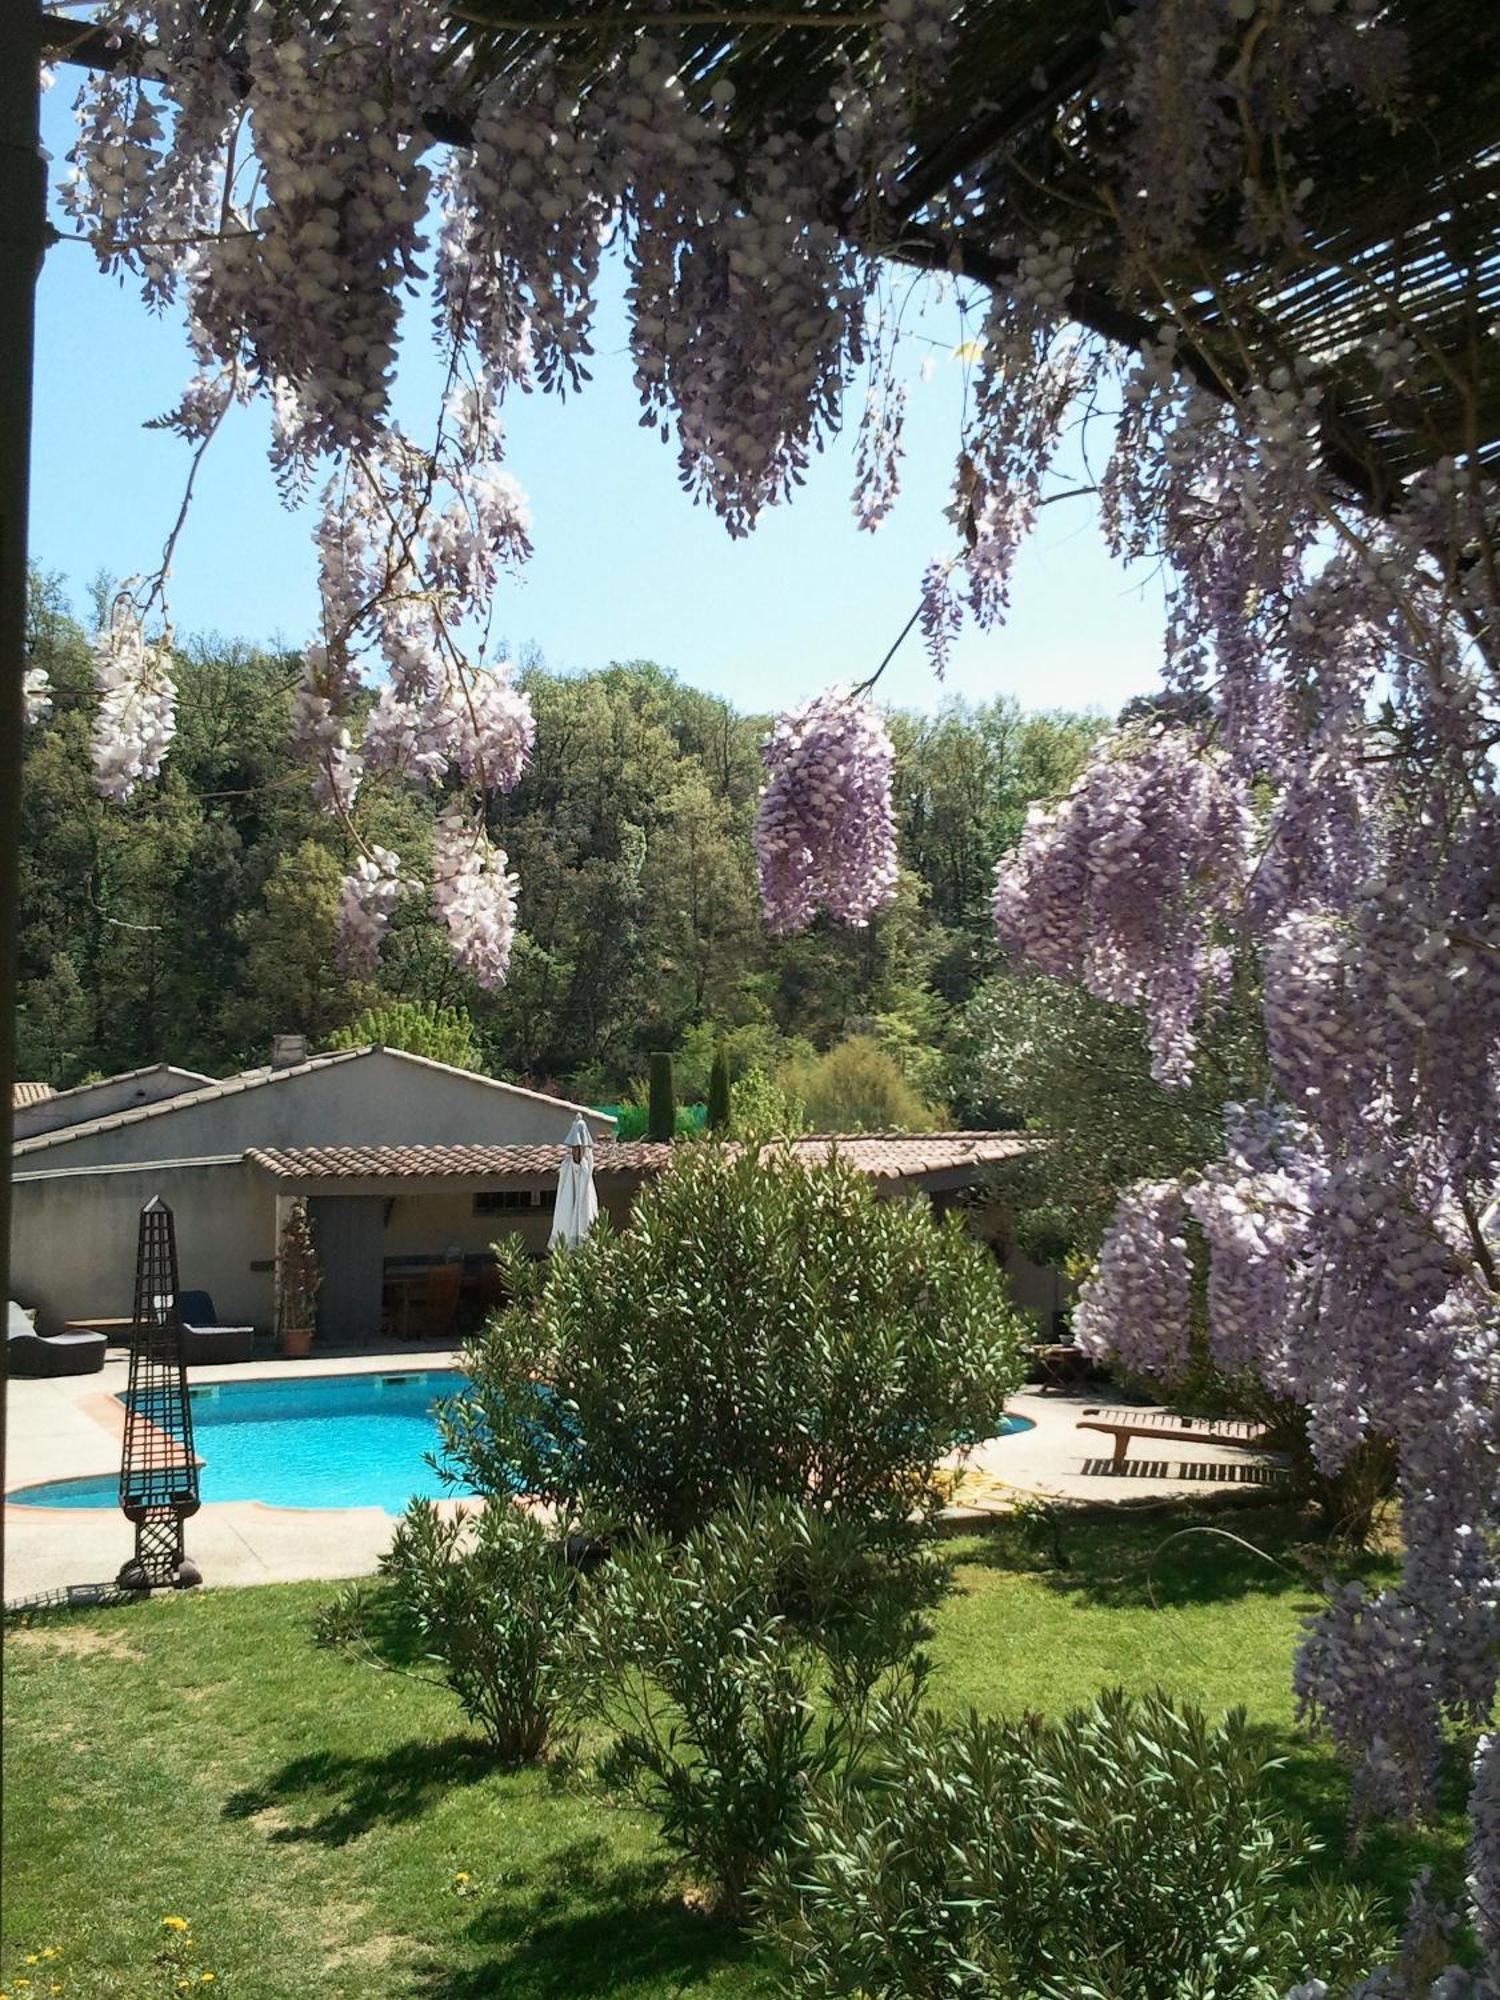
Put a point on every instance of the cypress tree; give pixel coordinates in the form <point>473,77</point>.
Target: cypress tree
<point>718,1092</point>
<point>661,1118</point>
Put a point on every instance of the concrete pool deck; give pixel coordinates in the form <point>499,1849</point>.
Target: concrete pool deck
<point>71,1427</point>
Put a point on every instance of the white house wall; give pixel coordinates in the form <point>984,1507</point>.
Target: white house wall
<point>430,1221</point>
<point>103,1099</point>
<point>372,1100</point>
<point>73,1239</point>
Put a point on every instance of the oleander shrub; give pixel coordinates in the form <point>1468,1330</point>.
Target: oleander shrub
<point>493,1599</point>
<point>739,1667</point>
<point>763,1319</point>
<point>1130,1849</point>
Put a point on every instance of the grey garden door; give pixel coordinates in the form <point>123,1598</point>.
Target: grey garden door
<point>349,1234</point>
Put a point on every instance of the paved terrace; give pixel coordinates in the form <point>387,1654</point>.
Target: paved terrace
<point>70,1428</point>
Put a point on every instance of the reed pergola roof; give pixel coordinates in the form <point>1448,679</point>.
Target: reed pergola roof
<point>1406,212</point>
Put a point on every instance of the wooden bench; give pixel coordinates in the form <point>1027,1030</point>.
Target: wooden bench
<point>1123,1425</point>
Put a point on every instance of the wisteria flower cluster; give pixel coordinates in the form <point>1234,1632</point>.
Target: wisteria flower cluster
<point>1136,1306</point>
<point>825,834</point>
<point>137,715</point>
<point>475,895</point>
<point>399,573</point>
<point>36,695</point>
<point>1123,884</point>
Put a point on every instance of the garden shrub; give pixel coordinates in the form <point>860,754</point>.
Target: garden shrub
<point>741,1665</point>
<point>857,1086</point>
<point>493,1598</point>
<point>759,1108</point>
<point>1128,1850</point>
<point>763,1319</point>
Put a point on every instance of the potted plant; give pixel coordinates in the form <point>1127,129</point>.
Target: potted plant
<point>297,1282</point>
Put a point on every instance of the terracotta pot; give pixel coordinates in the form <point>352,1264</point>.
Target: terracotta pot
<point>296,1341</point>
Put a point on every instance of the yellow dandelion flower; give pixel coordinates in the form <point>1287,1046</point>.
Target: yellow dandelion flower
<point>206,1978</point>
<point>174,1923</point>
<point>462,1875</point>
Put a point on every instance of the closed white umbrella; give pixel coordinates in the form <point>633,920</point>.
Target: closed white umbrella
<point>577,1202</point>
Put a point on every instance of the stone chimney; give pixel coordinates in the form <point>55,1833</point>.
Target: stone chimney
<point>287,1050</point>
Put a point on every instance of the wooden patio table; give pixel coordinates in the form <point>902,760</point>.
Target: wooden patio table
<point>115,1331</point>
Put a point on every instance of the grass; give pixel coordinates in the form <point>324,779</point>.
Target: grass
<point>198,1755</point>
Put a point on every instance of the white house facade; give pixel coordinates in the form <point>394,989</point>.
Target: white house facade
<point>79,1187</point>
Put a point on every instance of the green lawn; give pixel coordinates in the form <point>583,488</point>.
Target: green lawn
<point>200,1756</point>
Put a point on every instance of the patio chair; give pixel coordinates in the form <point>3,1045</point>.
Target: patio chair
<point>204,1341</point>
<point>30,1353</point>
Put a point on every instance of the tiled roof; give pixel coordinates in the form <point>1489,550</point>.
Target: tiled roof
<point>256,1079</point>
<point>899,1155</point>
<point>883,1155</point>
<point>22,1094</point>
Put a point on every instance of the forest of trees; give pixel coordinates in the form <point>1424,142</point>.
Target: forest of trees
<point>197,921</point>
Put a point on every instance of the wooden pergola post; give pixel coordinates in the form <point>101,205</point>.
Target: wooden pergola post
<point>23,239</point>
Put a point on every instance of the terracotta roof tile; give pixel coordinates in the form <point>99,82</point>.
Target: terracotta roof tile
<point>882,1155</point>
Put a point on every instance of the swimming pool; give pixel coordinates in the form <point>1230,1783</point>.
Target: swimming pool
<point>323,1441</point>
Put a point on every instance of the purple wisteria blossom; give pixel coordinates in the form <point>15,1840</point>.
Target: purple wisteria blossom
<point>137,713</point>
<point>475,895</point>
<point>1123,883</point>
<point>1136,1306</point>
<point>368,896</point>
<point>825,834</point>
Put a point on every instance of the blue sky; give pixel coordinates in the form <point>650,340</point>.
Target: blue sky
<point>625,565</point>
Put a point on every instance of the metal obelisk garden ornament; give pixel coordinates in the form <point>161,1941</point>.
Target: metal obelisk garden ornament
<point>158,1468</point>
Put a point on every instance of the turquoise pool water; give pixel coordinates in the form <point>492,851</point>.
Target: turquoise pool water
<point>326,1441</point>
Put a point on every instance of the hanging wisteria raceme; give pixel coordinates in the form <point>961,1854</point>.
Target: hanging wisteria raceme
<point>1136,1306</point>
<point>1033,370</point>
<point>481,723</point>
<point>1254,1209</point>
<point>137,715</point>
<point>525,210</point>
<point>368,896</point>
<point>475,895</point>
<point>825,834</point>
<point>746,310</point>
<point>36,695</point>
<point>399,573</point>
<point>1484,1843</point>
<point>308,289</point>
<point>1123,885</point>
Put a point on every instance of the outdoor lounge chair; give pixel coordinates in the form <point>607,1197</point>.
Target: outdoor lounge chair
<point>1124,1424</point>
<point>28,1352</point>
<point>204,1341</point>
